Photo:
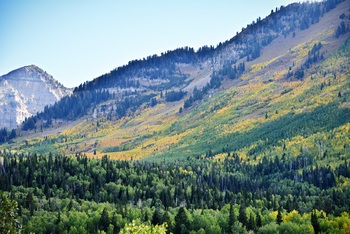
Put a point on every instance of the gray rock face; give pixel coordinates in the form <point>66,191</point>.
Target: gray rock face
<point>26,91</point>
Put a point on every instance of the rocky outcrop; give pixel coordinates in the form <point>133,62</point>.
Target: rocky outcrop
<point>26,91</point>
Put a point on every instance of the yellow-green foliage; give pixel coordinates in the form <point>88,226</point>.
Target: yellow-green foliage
<point>135,228</point>
<point>264,97</point>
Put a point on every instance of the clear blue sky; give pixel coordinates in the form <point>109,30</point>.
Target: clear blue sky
<point>78,40</point>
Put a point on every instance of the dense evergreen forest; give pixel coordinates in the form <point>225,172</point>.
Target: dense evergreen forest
<point>80,195</point>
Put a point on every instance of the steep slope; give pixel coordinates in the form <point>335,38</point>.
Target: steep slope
<point>185,69</point>
<point>26,91</point>
<point>291,100</point>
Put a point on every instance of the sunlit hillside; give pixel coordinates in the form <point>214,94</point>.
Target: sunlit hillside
<point>268,111</point>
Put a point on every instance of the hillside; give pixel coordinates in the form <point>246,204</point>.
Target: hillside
<point>267,107</point>
<point>251,136</point>
<point>25,92</point>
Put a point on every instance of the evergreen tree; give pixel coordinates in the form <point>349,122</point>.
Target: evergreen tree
<point>251,223</point>
<point>314,222</point>
<point>167,219</point>
<point>157,217</point>
<point>104,221</point>
<point>182,222</point>
<point>13,134</point>
<point>258,221</point>
<point>30,202</point>
<point>231,220</point>
<point>153,102</point>
<point>242,217</point>
<point>279,216</point>
<point>57,222</point>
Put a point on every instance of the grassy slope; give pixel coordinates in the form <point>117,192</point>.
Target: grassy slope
<point>301,118</point>
<point>298,113</point>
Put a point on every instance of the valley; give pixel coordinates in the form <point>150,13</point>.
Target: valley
<point>252,136</point>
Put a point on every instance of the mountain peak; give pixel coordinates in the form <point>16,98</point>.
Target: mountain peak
<point>32,67</point>
<point>25,71</point>
<point>26,91</point>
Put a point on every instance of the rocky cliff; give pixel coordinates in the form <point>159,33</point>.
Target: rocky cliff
<point>26,91</point>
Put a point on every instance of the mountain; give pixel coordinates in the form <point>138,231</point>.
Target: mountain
<point>26,91</point>
<point>250,136</point>
<point>245,96</point>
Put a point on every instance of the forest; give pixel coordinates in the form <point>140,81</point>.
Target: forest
<point>288,172</point>
<point>62,194</point>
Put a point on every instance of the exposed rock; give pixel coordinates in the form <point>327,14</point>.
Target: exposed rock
<point>26,91</point>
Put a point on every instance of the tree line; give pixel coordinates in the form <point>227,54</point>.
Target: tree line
<point>6,135</point>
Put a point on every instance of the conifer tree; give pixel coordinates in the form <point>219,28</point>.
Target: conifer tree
<point>314,222</point>
<point>279,216</point>
<point>182,222</point>
<point>157,217</point>
<point>258,221</point>
<point>104,221</point>
<point>232,219</point>
<point>30,202</point>
<point>251,223</point>
<point>242,217</point>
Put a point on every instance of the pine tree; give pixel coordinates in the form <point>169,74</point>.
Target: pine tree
<point>258,221</point>
<point>157,217</point>
<point>167,219</point>
<point>251,223</point>
<point>30,203</point>
<point>279,216</point>
<point>57,222</point>
<point>104,221</point>
<point>242,217</point>
<point>13,134</point>
<point>181,221</point>
<point>232,219</point>
<point>314,222</point>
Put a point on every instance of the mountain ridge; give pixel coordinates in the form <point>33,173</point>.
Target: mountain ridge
<point>229,51</point>
<point>127,121</point>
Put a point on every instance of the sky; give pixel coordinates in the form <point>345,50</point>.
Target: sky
<point>78,40</point>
